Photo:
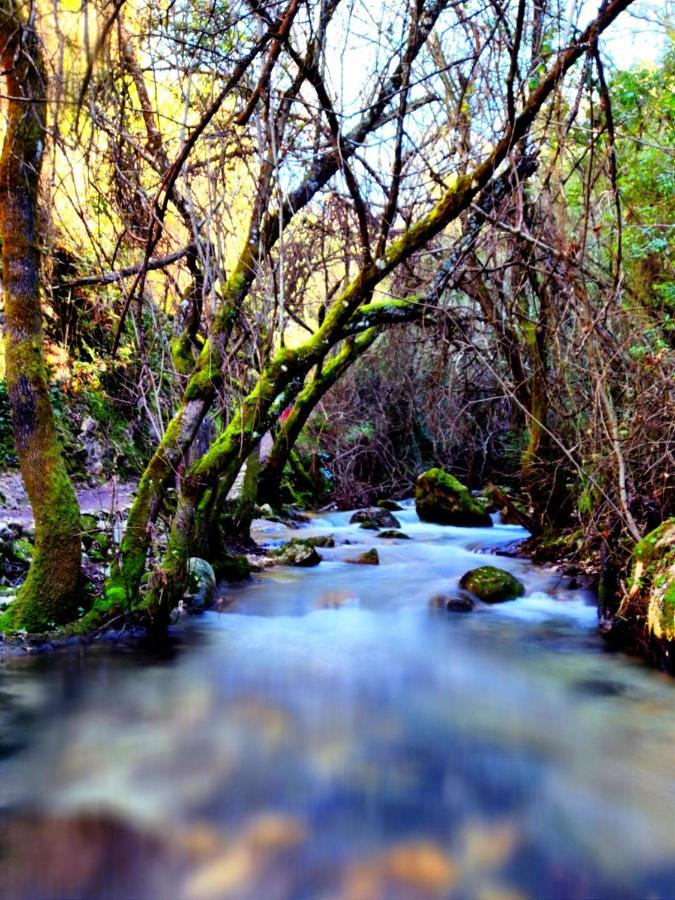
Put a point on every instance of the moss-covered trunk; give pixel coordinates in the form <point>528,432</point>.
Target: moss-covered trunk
<point>644,622</point>
<point>271,473</point>
<point>123,586</point>
<point>49,594</point>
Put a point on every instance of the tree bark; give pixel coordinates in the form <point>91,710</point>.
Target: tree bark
<point>269,478</point>
<point>49,594</point>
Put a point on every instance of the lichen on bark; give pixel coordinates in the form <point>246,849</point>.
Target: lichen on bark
<point>48,597</point>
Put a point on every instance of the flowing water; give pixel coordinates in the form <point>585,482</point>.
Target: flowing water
<point>330,735</point>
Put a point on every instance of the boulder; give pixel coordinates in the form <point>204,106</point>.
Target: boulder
<point>393,533</point>
<point>369,558</point>
<point>441,498</point>
<point>298,553</point>
<point>644,622</point>
<point>390,505</point>
<point>378,518</point>
<point>322,540</point>
<point>492,585</point>
<point>202,579</point>
<point>232,566</point>
<point>452,602</point>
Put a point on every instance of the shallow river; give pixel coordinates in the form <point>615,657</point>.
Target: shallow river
<point>329,735</point>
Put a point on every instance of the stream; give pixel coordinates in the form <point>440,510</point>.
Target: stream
<point>327,734</point>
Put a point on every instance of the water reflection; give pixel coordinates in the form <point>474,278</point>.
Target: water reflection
<point>330,736</point>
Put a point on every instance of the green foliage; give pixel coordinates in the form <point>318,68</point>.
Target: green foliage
<point>644,107</point>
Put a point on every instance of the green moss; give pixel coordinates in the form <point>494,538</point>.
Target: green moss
<point>182,354</point>
<point>321,540</point>
<point>445,481</point>
<point>492,585</point>
<point>442,498</point>
<point>646,549</point>
<point>232,567</point>
<point>298,552</point>
<point>203,382</point>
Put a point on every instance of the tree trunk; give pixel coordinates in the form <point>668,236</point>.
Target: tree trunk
<point>269,479</point>
<point>282,376</point>
<point>49,594</point>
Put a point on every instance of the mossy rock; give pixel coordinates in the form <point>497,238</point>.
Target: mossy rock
<point>266,512</point>
<point>492,585</point>
<point>369,558</point>
<point>88,527</point>
<point>389,505</point>
<point>369,526</point>
<point>7,595</point>
<point>375,518</point>
<point>298,553</point>
<point>452,602</point>
<point>443,499</point>
<point>232,567</point>
<point>202,580</point>
<point>650,602</point>
<point>394,534</point>
<point>322,540</point>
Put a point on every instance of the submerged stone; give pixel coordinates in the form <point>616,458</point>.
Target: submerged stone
<point>202,579</point>
<point>452,602</point>
<point>393,533</point>
<point>492,585</point>
<point>369,558</point>
<point>443,499</point>
<point>377,518</point>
